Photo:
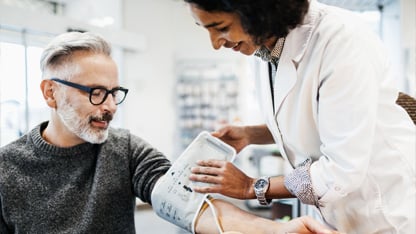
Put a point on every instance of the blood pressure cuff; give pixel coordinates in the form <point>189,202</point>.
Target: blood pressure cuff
<point>177,204</point>
<point>173,197</point>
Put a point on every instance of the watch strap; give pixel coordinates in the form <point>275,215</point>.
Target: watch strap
<point>261,194</point>
<point>263,200</point>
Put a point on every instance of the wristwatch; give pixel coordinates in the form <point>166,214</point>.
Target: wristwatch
<point>260,188</point>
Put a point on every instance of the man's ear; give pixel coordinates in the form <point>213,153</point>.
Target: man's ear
<point>47,88</point>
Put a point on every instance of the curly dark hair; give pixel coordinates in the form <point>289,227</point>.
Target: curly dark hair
<point>262,19</point>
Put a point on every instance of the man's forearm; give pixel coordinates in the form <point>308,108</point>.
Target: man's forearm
<point>233,218</point>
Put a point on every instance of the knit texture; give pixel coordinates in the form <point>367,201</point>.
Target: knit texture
<point>88,188</point>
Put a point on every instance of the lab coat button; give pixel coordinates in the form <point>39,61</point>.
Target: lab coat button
<point>337,188</point>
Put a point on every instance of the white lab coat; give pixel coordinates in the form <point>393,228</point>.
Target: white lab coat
<point>335,102</point>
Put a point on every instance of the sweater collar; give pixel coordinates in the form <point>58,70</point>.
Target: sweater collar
<point>42,146</point>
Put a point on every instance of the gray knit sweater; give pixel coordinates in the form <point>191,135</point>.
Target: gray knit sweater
<point>87,188</point>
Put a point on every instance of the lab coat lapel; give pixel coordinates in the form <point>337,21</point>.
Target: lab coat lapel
<point>284,81</point>
<point>295,46</point>
<point>264,93</point>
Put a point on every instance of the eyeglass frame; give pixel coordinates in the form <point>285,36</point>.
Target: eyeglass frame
<point>89,90</point>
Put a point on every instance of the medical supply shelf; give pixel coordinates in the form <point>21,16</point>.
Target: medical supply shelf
<point>206,96</point>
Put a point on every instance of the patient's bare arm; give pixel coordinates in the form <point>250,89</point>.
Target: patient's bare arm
<point>234,219</point>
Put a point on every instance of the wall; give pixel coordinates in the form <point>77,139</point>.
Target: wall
<point>399,34</point>
<point>390,24</point>
<point>96,12</point>
<point>408,42</point>
<point>171,35</point>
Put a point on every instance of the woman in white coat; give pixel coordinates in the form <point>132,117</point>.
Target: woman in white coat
<point>329,105</point>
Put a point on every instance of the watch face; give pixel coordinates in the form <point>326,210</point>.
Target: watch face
<point>261,183</point>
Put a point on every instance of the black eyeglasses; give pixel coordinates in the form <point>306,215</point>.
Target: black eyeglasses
<point>98,95</point>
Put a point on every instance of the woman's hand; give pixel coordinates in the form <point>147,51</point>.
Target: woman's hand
<point>235,136</point>
<point>241,136</point>
<point>224,178</point>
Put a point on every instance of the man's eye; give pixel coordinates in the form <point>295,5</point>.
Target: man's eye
<point>97,92</point>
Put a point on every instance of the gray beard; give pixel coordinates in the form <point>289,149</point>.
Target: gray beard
<point>80,127</point>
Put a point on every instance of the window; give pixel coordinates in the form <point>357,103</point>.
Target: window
<point>21,104</point>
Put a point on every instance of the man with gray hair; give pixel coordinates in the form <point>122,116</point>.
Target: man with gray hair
<point>74,173</point>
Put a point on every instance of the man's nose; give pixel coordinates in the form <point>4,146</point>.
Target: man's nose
<point>110,104</point>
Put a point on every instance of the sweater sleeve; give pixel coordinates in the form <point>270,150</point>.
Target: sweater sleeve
<point>147,166</point>
<point>3,227</point>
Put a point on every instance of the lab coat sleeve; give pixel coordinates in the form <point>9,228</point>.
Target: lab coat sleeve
<point>351,70</point>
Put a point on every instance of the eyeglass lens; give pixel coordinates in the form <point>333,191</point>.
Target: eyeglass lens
<point>99,95</point>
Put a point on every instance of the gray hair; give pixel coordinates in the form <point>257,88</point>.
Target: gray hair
<point>58,52</point>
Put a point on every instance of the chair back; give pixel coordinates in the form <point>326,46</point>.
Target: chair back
<point>409,104</point>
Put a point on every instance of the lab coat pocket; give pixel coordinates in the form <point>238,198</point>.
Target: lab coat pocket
<point>347,210</point>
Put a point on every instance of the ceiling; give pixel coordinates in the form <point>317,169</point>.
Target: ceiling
<point>358,5</point>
